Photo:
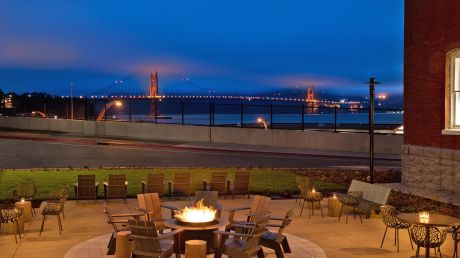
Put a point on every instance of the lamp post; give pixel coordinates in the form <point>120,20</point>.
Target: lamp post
<point>71,100</point>
<point>116,103</point>
<point>372,84</point>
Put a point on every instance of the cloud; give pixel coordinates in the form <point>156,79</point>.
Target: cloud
<point>27,52</point>
<point>295,80</point>
<point>173,65</point>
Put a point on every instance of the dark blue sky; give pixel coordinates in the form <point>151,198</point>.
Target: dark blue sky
<point>228,46</point>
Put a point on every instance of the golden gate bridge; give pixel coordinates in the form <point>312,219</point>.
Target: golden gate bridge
<point>184,87</point>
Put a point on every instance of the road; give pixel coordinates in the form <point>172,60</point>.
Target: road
<point>64,151</point>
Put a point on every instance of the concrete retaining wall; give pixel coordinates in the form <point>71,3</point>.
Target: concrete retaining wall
<point>354,142</point>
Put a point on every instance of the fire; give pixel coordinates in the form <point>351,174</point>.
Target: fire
<point>197,213</point>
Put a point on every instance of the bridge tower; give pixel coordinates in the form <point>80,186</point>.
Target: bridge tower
<point>153,89</point>
<point>153,93</point>
<point>310,94</point>
<point>311,101</point>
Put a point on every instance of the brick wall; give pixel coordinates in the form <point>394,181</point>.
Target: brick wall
<point>432,28</point>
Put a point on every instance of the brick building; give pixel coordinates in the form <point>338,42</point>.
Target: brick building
<point>431,151</point>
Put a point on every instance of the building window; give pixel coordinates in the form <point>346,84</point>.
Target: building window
<point>454,75</point>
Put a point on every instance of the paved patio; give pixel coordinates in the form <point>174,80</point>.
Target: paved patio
<point>86,233</point>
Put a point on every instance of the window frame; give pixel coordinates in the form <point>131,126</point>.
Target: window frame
<point>453,105</point>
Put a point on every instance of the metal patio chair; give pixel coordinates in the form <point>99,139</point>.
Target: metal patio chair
<point>55,207</point>
<point>312,197</point>
<point>10,214</point>
<point>436,238</point>
<point>59,196</point>
<point>302,182</point>
<point>27,191</point>
<point>389,217</point>
<point>352,199</point>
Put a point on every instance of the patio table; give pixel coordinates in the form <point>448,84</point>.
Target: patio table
<point>435,220</point>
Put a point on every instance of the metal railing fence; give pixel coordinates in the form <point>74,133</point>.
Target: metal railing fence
<point>207,113</point>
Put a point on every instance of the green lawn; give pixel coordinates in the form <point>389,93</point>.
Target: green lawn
<point>263,181</point>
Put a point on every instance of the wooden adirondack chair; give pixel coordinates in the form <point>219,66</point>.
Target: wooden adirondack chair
<point>119,221</point>
<point>180,185</point>
<point>154,184</point>
<point>241,183</point>
<point>259,207</point>
<point>150,205</point>
<point>218,183</point>
<point>116,187</point>
<point>243,245</point>
<point>276,240</point>
<point>86,188</point>
<point>149,243</point>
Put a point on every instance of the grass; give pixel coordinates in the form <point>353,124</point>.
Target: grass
<point>263,181</point>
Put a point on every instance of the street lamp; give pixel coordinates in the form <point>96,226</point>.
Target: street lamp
<point>71,100</point>
<point>262,121</point>
<point>116,103</point>
<point>372,83</point>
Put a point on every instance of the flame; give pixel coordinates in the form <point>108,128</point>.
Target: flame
<point>197,213</point>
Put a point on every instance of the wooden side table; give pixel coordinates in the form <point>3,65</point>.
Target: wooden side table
<point>195,249</point>
<point>333,207</point>
<point>123,245</point>
<point>27,208</point>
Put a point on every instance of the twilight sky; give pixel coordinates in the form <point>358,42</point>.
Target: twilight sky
<point>227,46</point>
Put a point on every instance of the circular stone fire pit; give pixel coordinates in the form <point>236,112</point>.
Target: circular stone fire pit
<point>197,222</point>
